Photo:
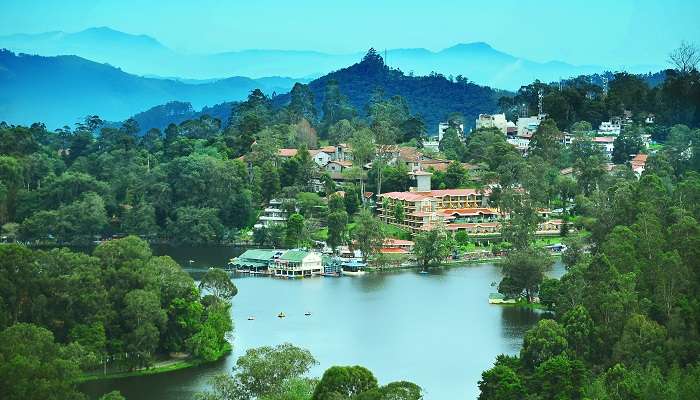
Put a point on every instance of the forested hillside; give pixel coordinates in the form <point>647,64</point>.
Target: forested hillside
<point>432,97</point>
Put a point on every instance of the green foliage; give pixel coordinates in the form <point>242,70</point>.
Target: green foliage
<point>33,366</point>
<point>344,382</point>
<point>523,272</point>
<point>218,282</point>
<point>368,234</point>
<point>265,373</point>
<point>433,247</point>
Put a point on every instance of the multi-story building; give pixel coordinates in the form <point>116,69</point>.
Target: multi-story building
<point>443,126</point>
<point>425,207</point>
<point>497,121</point>
<point>526,126</point>
<point>297,264</point>
<point>606,143</point>
<point>272,214</point>
<point>456,209</point>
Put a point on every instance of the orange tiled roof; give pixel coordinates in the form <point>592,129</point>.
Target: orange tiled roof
<point>287,152</point>
<point>390,242</point>
<point>415,196</point>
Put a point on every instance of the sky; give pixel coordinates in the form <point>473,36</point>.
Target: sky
<point>612,33</point>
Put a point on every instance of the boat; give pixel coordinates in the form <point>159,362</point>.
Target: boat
<point>308,314</point>
<point>251,318</point>
<point>423,272</point>
<point>191,261</point>
<point>281,315</point>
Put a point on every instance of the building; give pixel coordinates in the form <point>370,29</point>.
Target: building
<point>297,264</point>
<point>497,121</point>
<point>455,209</point>
<point>431,145</point>
<point>610,128</point>
<point>320,157</point>
<point>338,166</point>
<point>425,207</point>
<point>396,246</point>
<point>272,214</point>
<point>443,126</point>
<point>255,260</point>
<point>606,143</point>
<point>638,163</point>
<point>528,125</point>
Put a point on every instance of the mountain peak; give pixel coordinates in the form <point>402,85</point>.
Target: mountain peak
<point>471,47</point>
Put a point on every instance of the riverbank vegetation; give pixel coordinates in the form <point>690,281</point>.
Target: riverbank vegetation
<point>281,373</point>
<point>68,316</point>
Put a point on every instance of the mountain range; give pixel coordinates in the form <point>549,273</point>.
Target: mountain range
<point>61,90</point>
<point>144,55</point>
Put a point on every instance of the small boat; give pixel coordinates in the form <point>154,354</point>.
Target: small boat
<point>308,314</point>
<point>423,272</point>
<point>251,318</point>
<point>191,261</point>
<point>281,315</point>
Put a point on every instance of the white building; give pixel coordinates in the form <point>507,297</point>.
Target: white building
<point>528,125</point>
<point>443,126</point>
<point>298,264</point>
<point>606,143</point>
<point>432,145</point>
<point>497,121</point>
<point>610,128</point>
<point>321,158</point>
<point>272,215</point>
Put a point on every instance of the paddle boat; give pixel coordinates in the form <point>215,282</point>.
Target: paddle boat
<point>281,315</point>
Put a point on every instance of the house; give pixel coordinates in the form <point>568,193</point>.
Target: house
<point>272,214</point>
<point>343,152</point>
<point>287,153</point>
<point>338,166</point>
<point>638,163</point>
<point>298,264</point>
<point>320,157</point>
<point>396,246</point>
<point>606,143</point>
<point>497,121</point>
<point>255,260</point>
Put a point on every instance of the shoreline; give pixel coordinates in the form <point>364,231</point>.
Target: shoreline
<point>170,365</point>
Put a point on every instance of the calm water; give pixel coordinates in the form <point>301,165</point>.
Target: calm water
<point>437,330</point>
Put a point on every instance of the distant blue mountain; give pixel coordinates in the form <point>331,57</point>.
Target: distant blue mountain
<point>63,89</point>
<point>144,55</point>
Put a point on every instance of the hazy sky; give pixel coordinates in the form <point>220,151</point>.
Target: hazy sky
<point>613,33</point>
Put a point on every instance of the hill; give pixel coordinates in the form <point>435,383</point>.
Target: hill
<point>61,90</point>
<point>144,55</point>
<point>433,96</point>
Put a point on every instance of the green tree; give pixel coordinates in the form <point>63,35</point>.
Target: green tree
<point>368,234</point>
<point>455,175</point>
<point>337,227</point>
<point>344,382</point>
<point>543,342</point>
<point>262,373</point>
<point>433,247</point>
<point>33,366</point>
<point>295,228</point>
<point>218,282</point>
<point>546,141</point>
<point>523,272</point>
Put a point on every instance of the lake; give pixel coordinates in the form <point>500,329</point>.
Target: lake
<point>436,330</point>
